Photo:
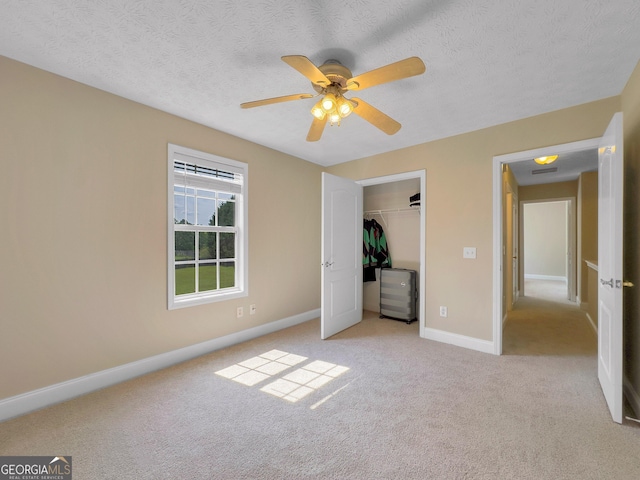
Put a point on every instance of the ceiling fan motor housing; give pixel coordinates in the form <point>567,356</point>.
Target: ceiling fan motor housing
<point>337,74</point>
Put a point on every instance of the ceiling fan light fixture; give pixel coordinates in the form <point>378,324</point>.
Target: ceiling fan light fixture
<point>546,160</point>
<point>332,80</point>
<point>317,111</point>
<point>344,107</point>
<point>329,102</point>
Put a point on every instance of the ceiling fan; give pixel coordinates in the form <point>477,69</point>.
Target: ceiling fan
<point>332,80</point>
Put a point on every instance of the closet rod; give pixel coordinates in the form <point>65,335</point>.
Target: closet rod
<point>389,210</point>
<point>392,210</point>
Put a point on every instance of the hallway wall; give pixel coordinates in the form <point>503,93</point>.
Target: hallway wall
<point>545,240</point>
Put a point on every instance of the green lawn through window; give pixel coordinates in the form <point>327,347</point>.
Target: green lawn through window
<point>186,278</point>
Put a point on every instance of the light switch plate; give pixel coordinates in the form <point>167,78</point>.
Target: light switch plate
<point>469,252</point>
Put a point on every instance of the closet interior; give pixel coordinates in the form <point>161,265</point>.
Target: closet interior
<point>395,207</point>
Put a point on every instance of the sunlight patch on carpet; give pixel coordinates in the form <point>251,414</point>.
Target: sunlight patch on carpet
<point>293,386</point>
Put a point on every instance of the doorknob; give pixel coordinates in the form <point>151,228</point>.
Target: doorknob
<point>627,284</point>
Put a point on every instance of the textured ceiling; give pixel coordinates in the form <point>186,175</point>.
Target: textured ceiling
<point>487,62</point>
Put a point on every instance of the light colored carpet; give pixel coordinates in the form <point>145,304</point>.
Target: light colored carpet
<point>549,325</point>
<point>551,290</point>
<point>405,408</point>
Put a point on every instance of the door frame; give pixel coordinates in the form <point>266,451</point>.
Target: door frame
<point>498,215</point>
<point>422,176</point>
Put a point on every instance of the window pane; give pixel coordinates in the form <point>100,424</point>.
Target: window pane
<point>185,279</point>
<point>226,196</point>
<point>179,212</point>
<point>191,210</point>
<point>206,211</point>
<point>226,213</point>
<point>207,277</point>
<point>185,246</point>
<point>206,193</point>
<point>207,245</point>
<point>227,274</point>
<point>227,245</point>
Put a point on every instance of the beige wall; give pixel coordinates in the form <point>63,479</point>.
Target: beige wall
<point>545,239</point>
<point>542,192</point>
<point>630,100</point>
<point>510,236</point>
<point>548,191</point>
<point>587,231</point>
<point>458,202</point>
<point>83,205</point>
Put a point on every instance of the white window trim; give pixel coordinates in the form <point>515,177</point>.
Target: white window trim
<point>176,152</point>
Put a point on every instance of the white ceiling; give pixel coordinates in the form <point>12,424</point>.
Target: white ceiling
<point>567,167</point>
<point>487,62</point>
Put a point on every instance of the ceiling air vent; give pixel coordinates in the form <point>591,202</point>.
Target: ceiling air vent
<point>544,170</point>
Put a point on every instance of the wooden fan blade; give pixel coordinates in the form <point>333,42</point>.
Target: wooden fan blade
<point>308,69</point>
<point>268,101</point>
<point>317,127</point>
<point>390,73</point>
<point>375,117</point>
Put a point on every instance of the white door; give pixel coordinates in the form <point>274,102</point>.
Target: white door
<point>341,296</point>
<point>610,178</point>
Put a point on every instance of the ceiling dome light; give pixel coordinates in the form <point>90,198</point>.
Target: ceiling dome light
<point>546,160</point>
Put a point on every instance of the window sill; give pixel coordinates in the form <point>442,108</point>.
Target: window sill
<point>192,301</point>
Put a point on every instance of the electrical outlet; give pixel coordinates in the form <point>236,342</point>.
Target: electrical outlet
<point>239,312</point>
<point>252,309</point>
<point>469,252</point>
<point>443,311</point>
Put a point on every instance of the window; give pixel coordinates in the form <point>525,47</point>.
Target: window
<point>207,241</point>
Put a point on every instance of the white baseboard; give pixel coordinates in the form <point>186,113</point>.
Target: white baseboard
<point>471,343</point>
<point>632,396</point>
<point>60,392</point>
<point>555,278</point>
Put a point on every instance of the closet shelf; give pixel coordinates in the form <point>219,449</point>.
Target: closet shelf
<point>383,212</point>
<point>392,210</point>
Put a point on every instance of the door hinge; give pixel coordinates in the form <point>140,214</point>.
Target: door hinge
<point>604,282</point>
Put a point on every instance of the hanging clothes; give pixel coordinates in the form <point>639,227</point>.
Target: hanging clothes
<point>375,251</point>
